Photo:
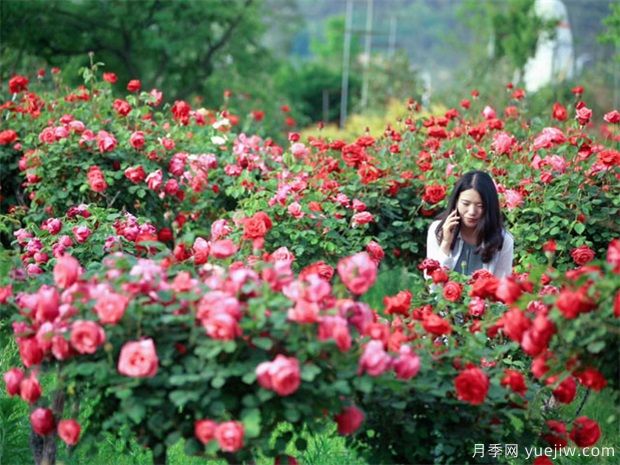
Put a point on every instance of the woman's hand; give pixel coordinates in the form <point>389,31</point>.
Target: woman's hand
<point>450,227</point>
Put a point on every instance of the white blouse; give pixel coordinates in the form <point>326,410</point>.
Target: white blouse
<point>500,265</point>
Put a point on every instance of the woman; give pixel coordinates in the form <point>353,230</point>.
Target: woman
<point>470,235</point>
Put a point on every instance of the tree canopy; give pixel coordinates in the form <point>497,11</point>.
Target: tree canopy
<point>174,46</point>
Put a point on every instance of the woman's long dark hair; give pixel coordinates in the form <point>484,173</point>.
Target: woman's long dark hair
<point>489,231</point>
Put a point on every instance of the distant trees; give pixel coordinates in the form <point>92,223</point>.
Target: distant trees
<point>175,46</point>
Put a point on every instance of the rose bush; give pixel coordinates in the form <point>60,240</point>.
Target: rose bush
<point>197,283</point>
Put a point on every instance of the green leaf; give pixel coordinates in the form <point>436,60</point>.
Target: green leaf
<point>309,372</point>
<point>263,343</point>
<point>136,412</point>
<point>291,414</point>
<point>580,228</point>
<point>596,347</point>
<point>218,382</point>
<point>251,420</point>
<point>192,447</point>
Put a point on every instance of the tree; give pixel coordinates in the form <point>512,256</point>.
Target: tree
<point>174,46</point>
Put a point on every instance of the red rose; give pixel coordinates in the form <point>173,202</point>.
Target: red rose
<point>398,304</point>
<point>110,77</point>
<point>121,107</point>
<point>582,255</point>
<point>515,381</point>
<point>30,351</point>
<point>204,430</point>
<point>134,85</point>
<point>472,385</point>
<point>257,226</point>
<point>135,174</point>
<point>349,420</point>
<point>565,392</point>
<point>585,432</point>
<point>42,421</point>
<point>434,193</point>
<point>229,436</point>
<point>180,112</point>
<point>434,324</point>
<point>508,291</point>
<point>572,303</point>
<point>137,140</point>
<point>452,291</point>
<point>69,431</point>
<point>110,307</point>
<point>376,251</point>
<point>8,136</point>
<point>559,112</point>
<point>96,179</point>
<point>515,323</point>
<point>592,378</point>
<point>18,84</point>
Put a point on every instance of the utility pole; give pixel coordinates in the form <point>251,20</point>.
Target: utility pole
<point>345,64</point>
<point>367,46</point>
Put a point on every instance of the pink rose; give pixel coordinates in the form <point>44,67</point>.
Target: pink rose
<point>299,150</point>
<point>201,251</point>
<point>220,229</point>
<point>613,117</point>
<point>488,112</point>
<point>204,430</point>
<point>106,141</point>
<point>138,359</point>
<point>42,421</point>
<point>407,365</point>
<point>13,379</point>
<point>81,233</point>
<point>223,249</point>
<point>221,326</point>
<point>110,307</point>
<point>583,114</point>
<point>513,198</point>
<point>502,143</point>
<point>47,304</point>
<point>336,328</point>
<point>361,218</point>
<point>86,336</point>
<point>304,312</point>
<point>349,420</point>
<point>66,271</point>
<point>69,431</point>
<point>295,210</point>
<point>30,389</point>
<point>229,436</point>
<point>375,360</point>
<point>358,272</point>
<point>154,180</point>
<point>135,174</point>
<point>30,351</point>
<point>375,251</point>
<point>281,375</point>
